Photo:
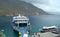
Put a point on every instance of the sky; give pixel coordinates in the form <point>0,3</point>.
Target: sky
<point>50,6</point>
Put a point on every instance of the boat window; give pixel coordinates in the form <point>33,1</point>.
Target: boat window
<point>23,24</point>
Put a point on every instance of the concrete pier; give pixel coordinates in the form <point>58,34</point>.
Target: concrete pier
<point>46,34</point>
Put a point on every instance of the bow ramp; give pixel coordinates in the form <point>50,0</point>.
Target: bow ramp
<point>23,32</point>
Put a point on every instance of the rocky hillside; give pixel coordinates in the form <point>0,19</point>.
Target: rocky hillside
<point>14,7</point>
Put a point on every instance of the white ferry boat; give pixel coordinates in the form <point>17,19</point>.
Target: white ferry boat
<point>53,29</point>
<point>50,28</point>
<point>21,24</point>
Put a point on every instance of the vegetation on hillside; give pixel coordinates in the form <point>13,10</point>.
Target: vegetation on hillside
<point>14,7</point>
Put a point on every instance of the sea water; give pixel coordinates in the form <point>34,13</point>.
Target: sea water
<point>36,21</point>
<point>39,21</point>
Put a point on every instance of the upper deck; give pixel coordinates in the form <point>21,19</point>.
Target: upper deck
<point>50,27</point>
<point>20,19</point>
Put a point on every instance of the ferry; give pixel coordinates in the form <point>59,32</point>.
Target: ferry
<point>50,28</point>
<point>21,24</point>
<point>53,29</point>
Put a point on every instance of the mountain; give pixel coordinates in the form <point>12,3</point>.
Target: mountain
<point>14,7</point>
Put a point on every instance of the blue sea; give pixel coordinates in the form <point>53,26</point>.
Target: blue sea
<point>37,22</point>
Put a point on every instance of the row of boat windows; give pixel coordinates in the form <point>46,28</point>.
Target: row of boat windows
<point>21,24</point>
<point>19,20</point>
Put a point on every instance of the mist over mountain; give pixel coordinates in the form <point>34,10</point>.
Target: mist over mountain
<point>14,7</point>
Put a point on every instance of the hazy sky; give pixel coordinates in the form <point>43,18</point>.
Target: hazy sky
<point>51,6</point>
